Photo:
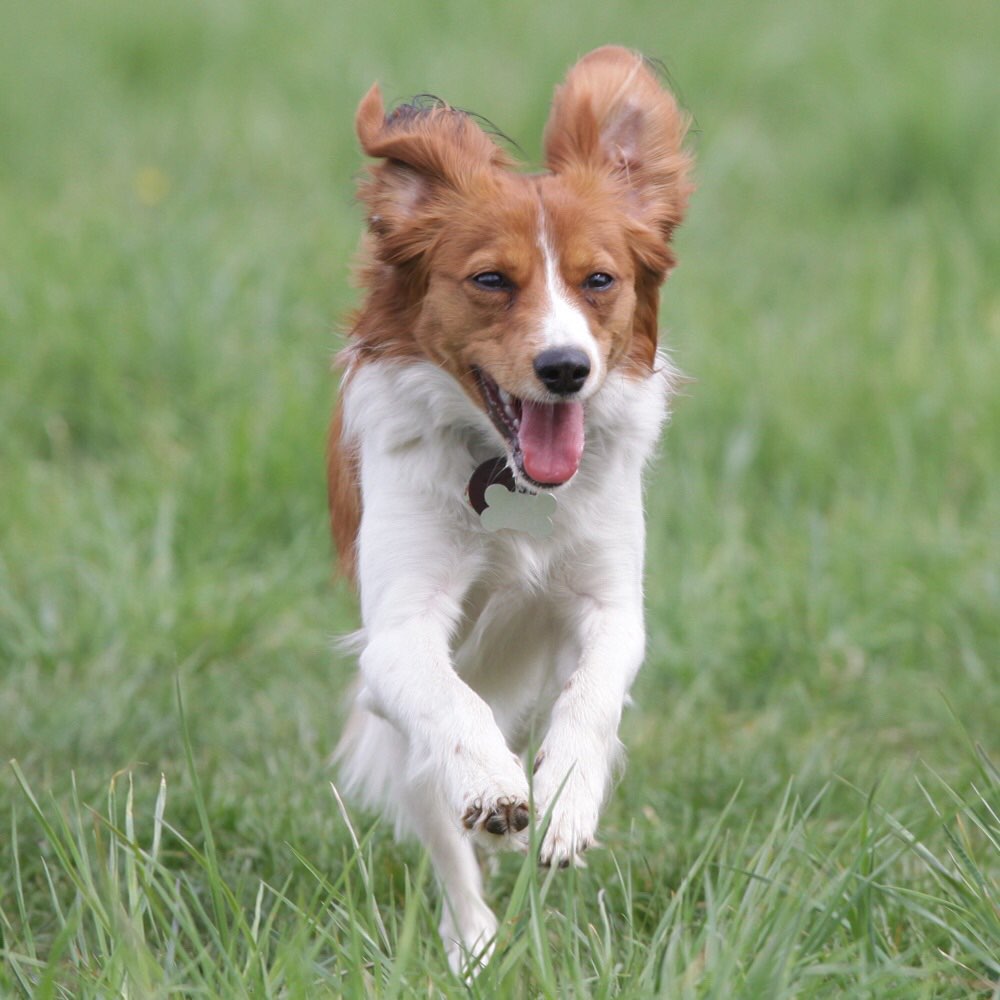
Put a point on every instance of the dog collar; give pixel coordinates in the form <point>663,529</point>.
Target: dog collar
<point>494,495</point>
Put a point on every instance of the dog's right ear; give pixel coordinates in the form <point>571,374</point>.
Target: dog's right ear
<point>428,150</point>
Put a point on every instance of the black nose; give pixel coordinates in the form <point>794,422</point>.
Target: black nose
<point>562,370</point>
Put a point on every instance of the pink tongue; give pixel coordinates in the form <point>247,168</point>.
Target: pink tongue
<point>551,439</point>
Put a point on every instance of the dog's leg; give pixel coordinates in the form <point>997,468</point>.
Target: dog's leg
<point>375,767</point>
<point>468,925</point>
<point>415,570</point>
<point>455,744</point>
<point>574,765</point>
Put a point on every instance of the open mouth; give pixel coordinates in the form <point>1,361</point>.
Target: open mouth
<point>545,440</point>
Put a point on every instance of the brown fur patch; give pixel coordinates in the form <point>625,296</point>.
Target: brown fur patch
<point>344,494</point>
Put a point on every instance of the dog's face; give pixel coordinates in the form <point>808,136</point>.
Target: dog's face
<point>529,289</point>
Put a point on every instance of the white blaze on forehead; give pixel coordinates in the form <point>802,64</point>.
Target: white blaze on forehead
<point>563,324</point>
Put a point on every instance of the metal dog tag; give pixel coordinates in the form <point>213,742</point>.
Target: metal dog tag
<point>494,495</point>
<point>528,512</point>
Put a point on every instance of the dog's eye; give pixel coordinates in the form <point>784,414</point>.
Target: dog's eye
<point>492,281</point>
<point>598,281</point>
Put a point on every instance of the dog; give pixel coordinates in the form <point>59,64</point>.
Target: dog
<point>501,396</point>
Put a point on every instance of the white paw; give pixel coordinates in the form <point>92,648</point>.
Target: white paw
<point>499,816</point>
<point>575,805</point>
<point>494,803</point>
<point>469,942</point>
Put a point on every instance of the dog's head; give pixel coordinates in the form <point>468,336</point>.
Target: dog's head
<point>527,288</point>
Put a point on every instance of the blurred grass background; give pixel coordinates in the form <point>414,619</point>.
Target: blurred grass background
<point>176,227</point>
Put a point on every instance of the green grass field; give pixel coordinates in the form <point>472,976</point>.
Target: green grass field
<point>811,804</point>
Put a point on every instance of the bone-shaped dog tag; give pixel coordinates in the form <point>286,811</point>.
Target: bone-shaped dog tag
<point>528,512</point>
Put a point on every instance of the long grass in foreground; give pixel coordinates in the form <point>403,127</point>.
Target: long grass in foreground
<point>887,905</point>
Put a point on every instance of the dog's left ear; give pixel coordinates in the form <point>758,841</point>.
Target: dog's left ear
<point>612,115</point>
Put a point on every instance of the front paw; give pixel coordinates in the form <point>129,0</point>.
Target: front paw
<point>570,833</point>
<point>498,815</point>
<point>494,806</point>
<point>573,807</point>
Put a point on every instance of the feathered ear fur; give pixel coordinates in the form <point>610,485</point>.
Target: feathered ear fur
<point>427,150</point>
<point>612,117</point>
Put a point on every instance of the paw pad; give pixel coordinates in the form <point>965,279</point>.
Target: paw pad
<point>502,817</point>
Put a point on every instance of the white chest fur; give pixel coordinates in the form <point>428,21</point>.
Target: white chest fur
<point>509,600</point>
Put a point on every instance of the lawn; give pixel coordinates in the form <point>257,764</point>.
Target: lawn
<point>811,803</point>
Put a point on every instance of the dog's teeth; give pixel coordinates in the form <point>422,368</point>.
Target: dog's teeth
<point>508,405</point>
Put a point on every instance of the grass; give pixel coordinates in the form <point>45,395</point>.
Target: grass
<point>811,803</point>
